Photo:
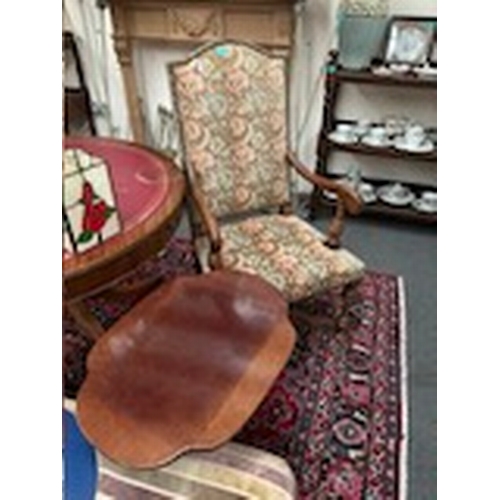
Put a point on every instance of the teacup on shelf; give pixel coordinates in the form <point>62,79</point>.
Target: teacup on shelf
<point>344,133</point>
<point>397,190</point>
<point>376,136</point>
<point>427,202</point>
<point>395,125</point>
<point>415,135</point>
<point>345,129</point>
<point>429,198</point>
<point>414,140</point>
<point>395,194</point>
<point>362,127</point>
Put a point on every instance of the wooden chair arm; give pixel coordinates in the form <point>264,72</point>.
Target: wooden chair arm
<point>210,225</point>
<point>347,198</point>
<point>347,194</point>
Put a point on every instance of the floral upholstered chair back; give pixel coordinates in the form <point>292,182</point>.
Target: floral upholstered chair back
<point>231,99</point>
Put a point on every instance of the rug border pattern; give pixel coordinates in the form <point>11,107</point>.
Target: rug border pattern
<point>403,364</point>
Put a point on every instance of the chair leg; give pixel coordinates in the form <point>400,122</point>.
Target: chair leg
<point>89,325</point>
<point>141,287</point>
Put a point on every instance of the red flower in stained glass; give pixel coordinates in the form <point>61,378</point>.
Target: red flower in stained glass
<point>95,215</point>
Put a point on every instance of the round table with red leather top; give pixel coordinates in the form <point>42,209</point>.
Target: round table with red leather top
<point>149,190</point>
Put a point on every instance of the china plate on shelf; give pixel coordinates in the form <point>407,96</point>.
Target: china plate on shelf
<point>425,207</point>
<point>426,147</point>
<point>395,194</point>
<point>425,71</point>
<point>381,71</point>
<point>342,138</point>
<point>400,68</point>
<point>376,143</point>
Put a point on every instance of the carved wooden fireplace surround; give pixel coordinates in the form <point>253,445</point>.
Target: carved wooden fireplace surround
<point>269,23</point>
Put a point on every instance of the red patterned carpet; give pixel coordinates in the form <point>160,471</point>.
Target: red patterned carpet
<point>336,413</point>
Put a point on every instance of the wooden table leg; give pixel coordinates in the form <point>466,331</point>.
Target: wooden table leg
<point>140,288</point>
<point>88,323</point>
<point>84,318</point>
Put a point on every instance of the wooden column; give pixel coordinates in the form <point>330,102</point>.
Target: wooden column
<point>123,48</point>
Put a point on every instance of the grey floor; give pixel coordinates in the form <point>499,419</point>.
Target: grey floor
<point>410,251</point>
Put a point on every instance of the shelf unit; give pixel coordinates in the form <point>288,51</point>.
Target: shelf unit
<point>335,77</point>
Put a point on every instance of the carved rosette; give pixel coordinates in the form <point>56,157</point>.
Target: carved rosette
<point>195,23</point>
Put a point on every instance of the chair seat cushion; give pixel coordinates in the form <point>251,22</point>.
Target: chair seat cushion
<point>230,472</point>
<point>289,253</point>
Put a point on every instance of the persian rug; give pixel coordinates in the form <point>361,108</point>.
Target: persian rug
<point>337,412</point>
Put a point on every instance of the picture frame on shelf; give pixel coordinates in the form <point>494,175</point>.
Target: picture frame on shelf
<point>409,40</point>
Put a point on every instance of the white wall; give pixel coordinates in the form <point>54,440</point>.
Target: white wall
<point>315,35</point>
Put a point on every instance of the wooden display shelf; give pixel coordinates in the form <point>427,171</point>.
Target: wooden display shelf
<point>395,79</point>
<point>387,152</point>
<point>382,209</point>
<point>336,77</point>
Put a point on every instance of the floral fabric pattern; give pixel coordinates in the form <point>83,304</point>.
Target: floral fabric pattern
<point>232,105</point>
<point>289,254</point>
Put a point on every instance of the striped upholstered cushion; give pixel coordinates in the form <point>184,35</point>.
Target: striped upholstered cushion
<point>230,472</point>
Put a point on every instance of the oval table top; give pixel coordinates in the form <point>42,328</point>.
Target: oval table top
<point>184,368</point>
<point>149,191</point>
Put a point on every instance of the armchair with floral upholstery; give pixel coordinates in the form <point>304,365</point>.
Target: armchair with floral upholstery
<point>231,101</point>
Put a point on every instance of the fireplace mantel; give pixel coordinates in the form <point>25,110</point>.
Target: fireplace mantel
<point>268,23</point>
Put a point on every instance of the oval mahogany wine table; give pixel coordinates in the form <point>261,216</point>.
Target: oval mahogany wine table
<point>185,368</point>
<point>149,191</point>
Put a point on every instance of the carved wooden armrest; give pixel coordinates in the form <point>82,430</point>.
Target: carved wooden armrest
<point>347,198</point>
<point>210,225</point>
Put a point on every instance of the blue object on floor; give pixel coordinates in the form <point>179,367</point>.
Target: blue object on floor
<point>80,465</point>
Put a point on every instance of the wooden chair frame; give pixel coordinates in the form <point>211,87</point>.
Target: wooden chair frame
<point>205,222</point>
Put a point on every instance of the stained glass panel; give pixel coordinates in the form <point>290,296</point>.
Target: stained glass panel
<point>90,213</point>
